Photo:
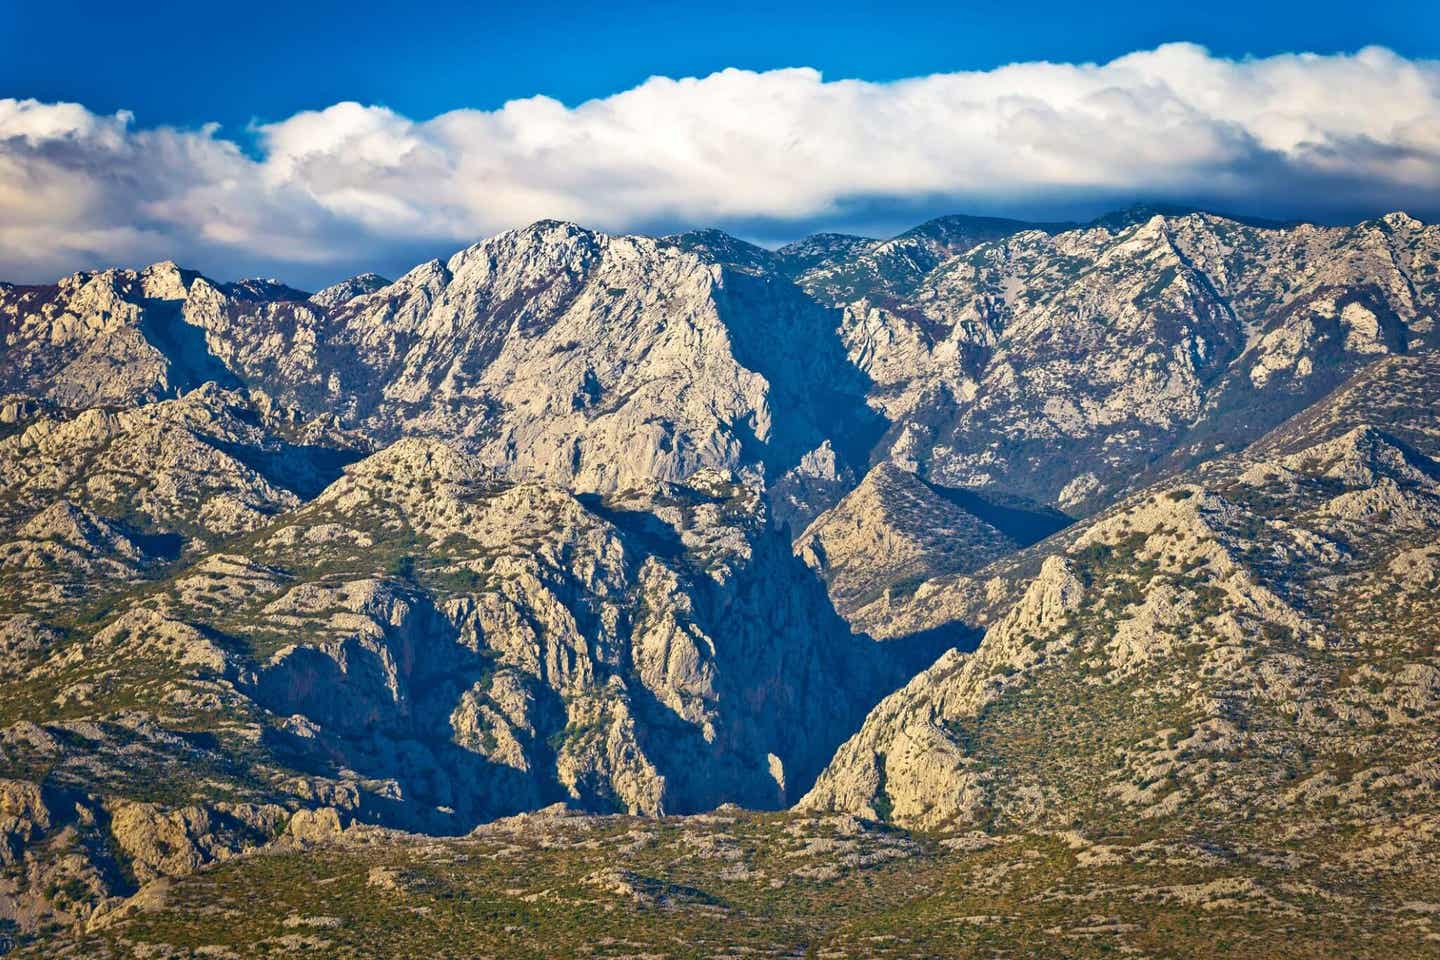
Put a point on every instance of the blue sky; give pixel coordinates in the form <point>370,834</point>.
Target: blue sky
<point>313,140</point>
<point>193,63</point>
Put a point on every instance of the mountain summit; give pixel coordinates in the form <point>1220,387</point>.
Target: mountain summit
<point>992,585</point>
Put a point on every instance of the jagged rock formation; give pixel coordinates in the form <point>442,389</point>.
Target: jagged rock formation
<point>430,645</point>
<point>1037,360</point>
<point>891,270</point>
<point>894,532</point>
<point>1058,367</point>
<point>339,294</point>
<point>647,526</point>
<point>1254,641</point>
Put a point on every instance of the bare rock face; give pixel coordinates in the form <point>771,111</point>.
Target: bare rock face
<point>641,526</point>
<point>1175,656</point>
<point>23,816</point>
<point>1061,366</point>
<point>560,353</point>
<point>315,826</point>
<point>428,644</point>
<point>812,486</point>
<point>1041,360</point>
<point>892,532</point>
<point>70,858</point>
<point>172,843</point>
<point>902,765</point>
<point>198,464</point>
<point>549,633</point>
<point>901,556</point>
<point>343,292</point>
<point>46,873</point>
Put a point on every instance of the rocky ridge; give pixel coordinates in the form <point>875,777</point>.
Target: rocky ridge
<point>646,526</point>
<point>1251,641</point>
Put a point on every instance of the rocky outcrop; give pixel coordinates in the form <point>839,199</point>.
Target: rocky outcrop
<point>891,533</point>
<point>1176,656</point>
<point>428,644</point>
<point>172,843</point>
<point>339,294</point>
<point>646,526</point>
<point>1065,367</point>
<point>1043,360</point>
<point>561,353</point>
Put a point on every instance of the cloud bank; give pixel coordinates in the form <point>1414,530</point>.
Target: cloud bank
<point>1291,135</point>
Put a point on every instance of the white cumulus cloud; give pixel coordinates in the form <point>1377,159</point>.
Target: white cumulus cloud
<point>1291,135</point>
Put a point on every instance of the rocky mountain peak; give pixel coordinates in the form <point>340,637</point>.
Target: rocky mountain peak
<point>618,527</point>
<point>719,247</point>
<point>346,290</point>
<point>1399,220</point>
<point>166,281</point>
<point>821,249</point>
<point>893,532</point>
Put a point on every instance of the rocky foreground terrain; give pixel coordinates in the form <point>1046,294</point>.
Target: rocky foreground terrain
<point>997,589</point>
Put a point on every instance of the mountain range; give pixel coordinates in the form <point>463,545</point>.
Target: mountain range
<point>998,588</point>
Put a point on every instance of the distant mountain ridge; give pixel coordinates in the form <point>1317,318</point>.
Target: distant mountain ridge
<point>444,349</point>
<point>990,529</point>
